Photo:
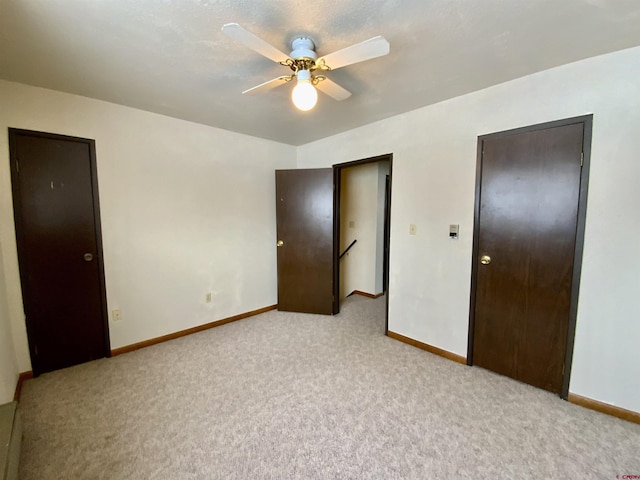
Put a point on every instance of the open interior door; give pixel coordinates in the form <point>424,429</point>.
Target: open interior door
<point>305,241</point>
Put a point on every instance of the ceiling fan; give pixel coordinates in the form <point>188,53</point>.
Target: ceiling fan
<point>307,68</point>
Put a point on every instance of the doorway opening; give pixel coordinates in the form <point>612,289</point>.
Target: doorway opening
<point>309,234</point>
<point>362,226</point>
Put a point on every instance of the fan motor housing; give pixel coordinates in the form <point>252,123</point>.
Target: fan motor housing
<point>303,48</point>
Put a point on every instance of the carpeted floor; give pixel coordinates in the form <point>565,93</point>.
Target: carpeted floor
<point>293,396</point>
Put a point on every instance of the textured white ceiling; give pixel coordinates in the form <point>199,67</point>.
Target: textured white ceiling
<point>170,56</point>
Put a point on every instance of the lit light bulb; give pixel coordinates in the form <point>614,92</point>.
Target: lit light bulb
<point>304,94</point>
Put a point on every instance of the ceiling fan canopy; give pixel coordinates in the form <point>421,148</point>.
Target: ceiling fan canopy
<point>304,62</point>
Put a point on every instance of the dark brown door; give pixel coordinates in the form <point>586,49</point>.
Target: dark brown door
<point>305,231</point>
<point>529,192</point>
<point>57,229</point>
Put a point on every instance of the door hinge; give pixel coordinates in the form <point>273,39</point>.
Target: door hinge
<point>563,369</point>
<point>17,166</point>
<point>582,159</point>
<point>35,350</point>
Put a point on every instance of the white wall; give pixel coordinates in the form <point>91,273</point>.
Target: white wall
<point>434,161</point>
<point>8,364</point>
<point>186,209</point>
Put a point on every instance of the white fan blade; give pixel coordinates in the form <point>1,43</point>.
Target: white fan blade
<point>239,34</point>
<point>332,89</point>
<point>372,48</point>
<point>263,87</point>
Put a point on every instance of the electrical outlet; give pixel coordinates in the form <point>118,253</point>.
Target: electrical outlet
<point>116,315</point>
<point>207,297</point>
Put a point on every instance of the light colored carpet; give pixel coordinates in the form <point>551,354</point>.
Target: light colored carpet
<point>293,396</point>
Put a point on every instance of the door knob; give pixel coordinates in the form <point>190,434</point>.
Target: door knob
<point>280,243</point>
<point>88,257</point>
<point>485,259</point>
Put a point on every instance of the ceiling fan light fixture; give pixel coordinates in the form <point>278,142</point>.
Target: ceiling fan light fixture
<point>304,94</point>
<point>304,60</point>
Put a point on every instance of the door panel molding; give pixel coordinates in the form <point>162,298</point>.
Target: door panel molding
<point>14,134</point>
<point>587,122</point>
